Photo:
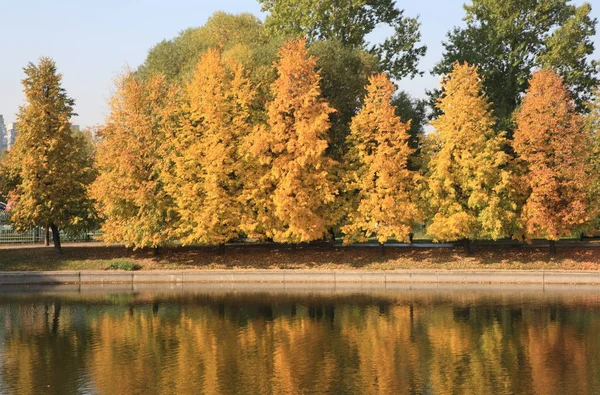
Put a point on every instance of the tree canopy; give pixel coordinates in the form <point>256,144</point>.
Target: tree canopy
<point>384,188</point>
<point>349,22</point>
<point>291,148</point>
<point>552,144</point>
<point>469,183</point>
<point>206,178</point>
<point>130,189</point>
<point>509,39</point>
<point>47,173</point>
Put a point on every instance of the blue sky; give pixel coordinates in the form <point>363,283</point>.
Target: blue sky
<point>93,41</point>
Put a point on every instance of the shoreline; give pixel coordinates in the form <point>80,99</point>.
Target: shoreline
<point>307,277</point>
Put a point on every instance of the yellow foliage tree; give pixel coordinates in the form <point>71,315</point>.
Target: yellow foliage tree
<point>383,187</point>
<point>130,189</point>
<point>47,173</point>
<point>293,188</point>
<point>551,142</point>
<point>469,182</point>
<point>593,167</point>
<point>205,179</point>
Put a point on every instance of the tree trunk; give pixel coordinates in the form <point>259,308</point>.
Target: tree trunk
<point>411,236</point>
<point>156,251</point>
<point>381,249</point>
<point>332,233</point>
<point>294,247</point>
<point>222,249</point>
<point>467,246</point>
<point>56,238</point>
<point>47,235</point>
<point>56,317</point>
<point>552,247</point>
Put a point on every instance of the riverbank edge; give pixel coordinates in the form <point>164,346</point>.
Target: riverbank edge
<point>303,276</point>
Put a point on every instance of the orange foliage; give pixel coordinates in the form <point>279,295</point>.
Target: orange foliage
<point>552,146</point>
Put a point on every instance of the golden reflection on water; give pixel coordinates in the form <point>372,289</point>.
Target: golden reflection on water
<point>228,343</point>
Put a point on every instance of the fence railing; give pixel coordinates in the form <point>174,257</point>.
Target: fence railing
<point>8,235</point>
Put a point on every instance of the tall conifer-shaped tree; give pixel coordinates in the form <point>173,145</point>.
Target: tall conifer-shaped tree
<point>294,189</point>
<point>592,122</point>
<point>50,171</point>
<point>553,146</point>
<point>206,180</point>
<point>383,186</point>
<point>469,183</point>
<point>130,189</point>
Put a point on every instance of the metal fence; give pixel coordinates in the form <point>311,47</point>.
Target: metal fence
<point>8,235</point>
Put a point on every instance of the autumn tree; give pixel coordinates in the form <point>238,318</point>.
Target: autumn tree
<point>243,38</point>
<point>130,189</point>
<point>592,123</point>
<point>551,143</point>
<point>293,187</point>
<point>469,181</point>
<point>48,170</point>
<point>206,178</point>
<point>509,39</point>
<point>384,187</point>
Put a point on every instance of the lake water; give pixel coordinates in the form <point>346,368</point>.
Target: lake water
<point>199,340</point>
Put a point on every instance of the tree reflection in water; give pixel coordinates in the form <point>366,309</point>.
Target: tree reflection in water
<point>392,343</point>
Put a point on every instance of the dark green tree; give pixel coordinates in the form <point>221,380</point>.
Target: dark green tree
<point>508,39</point>
<point>349,22</point>
<point>414,110</point>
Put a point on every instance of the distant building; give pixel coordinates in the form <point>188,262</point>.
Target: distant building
<point>8,134</point>
<point>2,134</point>
<point>11,135</point>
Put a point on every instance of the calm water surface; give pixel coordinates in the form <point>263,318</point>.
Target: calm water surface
<point>299,342</point>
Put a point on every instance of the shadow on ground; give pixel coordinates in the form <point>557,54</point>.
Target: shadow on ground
<point>98,257</point>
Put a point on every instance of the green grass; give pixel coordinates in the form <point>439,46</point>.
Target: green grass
<point>121,264</point>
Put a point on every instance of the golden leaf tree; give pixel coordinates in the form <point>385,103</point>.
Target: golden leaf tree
<point>553,146</point>
<point>592,122</point>
<point>205,178</point>
<point>293,189</point>
<point>47,173</point>
<point>383,187</point>
<point>130,189</point>
<point>469,184</point>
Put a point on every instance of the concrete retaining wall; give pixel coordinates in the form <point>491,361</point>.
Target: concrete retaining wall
<point>303,276</point>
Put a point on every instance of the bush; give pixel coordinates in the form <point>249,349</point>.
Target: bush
<point>120,264</point>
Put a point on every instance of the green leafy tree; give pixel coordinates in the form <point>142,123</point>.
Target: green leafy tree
<point>415,111</point>
<point>344,75</point>
<point>349,22</point>
<point>508,39</point>
<point>50,166</point>
<point>241,35</point>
